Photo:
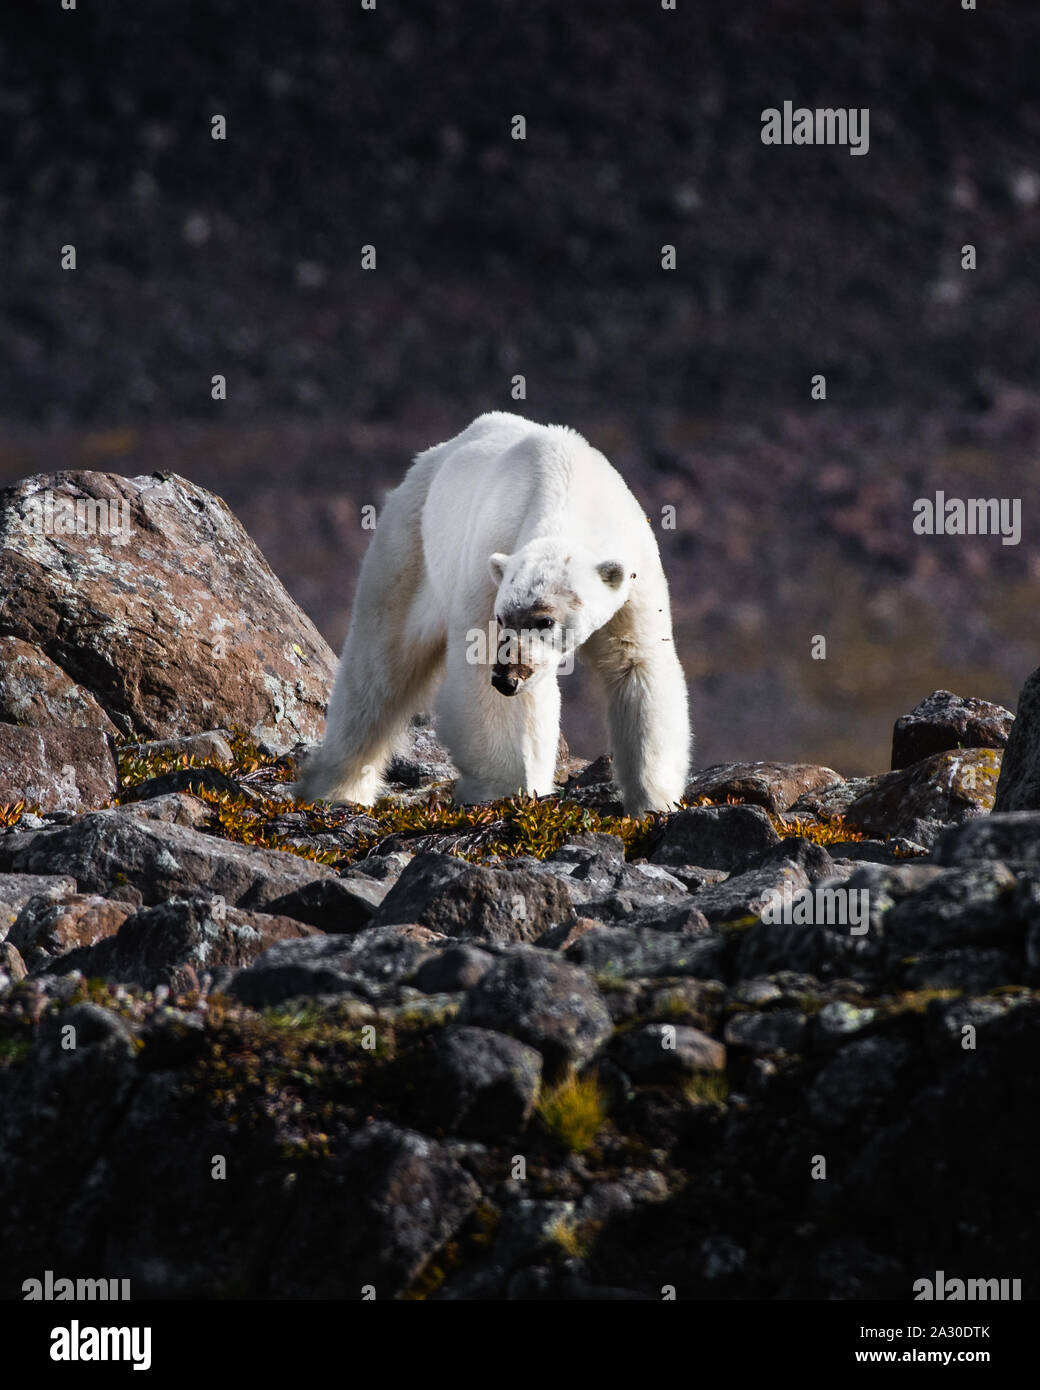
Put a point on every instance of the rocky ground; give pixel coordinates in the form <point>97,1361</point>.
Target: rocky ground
<point>527,1050</point>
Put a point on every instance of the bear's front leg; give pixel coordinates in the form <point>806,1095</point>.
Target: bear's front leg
<point>501,744</point>
<point>647,704</point>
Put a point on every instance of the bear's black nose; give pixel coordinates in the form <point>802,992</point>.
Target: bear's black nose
<point>504,681</point>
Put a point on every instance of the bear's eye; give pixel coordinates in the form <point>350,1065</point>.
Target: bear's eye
<point>542,624</point>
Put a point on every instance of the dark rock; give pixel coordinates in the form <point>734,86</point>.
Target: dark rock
<point>659,1051</point>
<point>1013,836</point>
<point>813,860</point>
<point>544,1001</point>
<point>716,837</point>
<point>187,779</point>
<point>943,722</point>
<point>423,761</point>
<point>329,965</point>
<point>455,968</point>
<point>831,802</point>
<point>776,1030</point>
<point>105,848</point>
<point>1018,788</point>
<point>602,885</point>
<point>57,769</point>
<point>595,788</point>
<point>856,1084</point>
<point>630,953</point>
<point>972,969</point>
<point>743,895</point>
<point>918,801</point>
<point>776,786</point>
<point>481,1083</point>
<point>467,900</point>
<point>963,907</point>
<point>179,941</point>
<point>344,904</point>
<point>185,629</point>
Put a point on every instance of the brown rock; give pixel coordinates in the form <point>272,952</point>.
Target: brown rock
<point>36,692</point>
<point>172,623</point>
<point>55,928</point>
<point>776,786</point>
<point>57,769</point>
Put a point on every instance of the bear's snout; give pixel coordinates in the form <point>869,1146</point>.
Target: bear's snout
<point>507,680</point>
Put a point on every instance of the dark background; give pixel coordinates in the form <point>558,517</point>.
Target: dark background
<point>348,127</point>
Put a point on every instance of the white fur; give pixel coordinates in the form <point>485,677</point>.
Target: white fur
<point>505,515</point>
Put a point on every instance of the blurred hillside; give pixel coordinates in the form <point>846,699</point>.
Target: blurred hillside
<point>496,257</point>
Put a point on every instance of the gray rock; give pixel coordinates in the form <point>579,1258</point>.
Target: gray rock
<point>776,1030</point>
<point>481,1083</point>
<point>345,904</point>
<point>57,769</point>
<point>455,968</point>
<point>659,1051</point>
<point>944,721</point>
<point>716,837</point>
<point>178,941</point>
<point>330,965</point>
<point>859,1080</point>
<point>213,745</point>
<point>630,953</point>
<point>1019,786</point>
<point>1013,836</point>
<point>467,900</point>
<point>919,801</point>
<point>389,1205</point>
<point>964,907</point>
<point>743,895</point>
<point>104,849</point>
<point>544,1001</point>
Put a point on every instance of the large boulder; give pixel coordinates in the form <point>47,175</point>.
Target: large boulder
<point>142,603</point>
<point>944,721</point>
<point>1018,788</point>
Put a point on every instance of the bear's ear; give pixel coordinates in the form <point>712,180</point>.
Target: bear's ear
<point>612,572</point>
<point>497,566</point>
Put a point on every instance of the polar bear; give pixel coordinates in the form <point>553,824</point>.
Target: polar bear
<point>501,552</point>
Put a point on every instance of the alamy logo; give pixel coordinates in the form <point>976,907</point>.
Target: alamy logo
<point>824,125</point>
<point>950,1290</point>
<point>506,647</point>
<point>81,1343</point>
<point>820,907</point>
<point>80,1290</point>
<point>47,515</point>
<point>972,516</point>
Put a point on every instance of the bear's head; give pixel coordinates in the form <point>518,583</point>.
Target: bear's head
<point>550,599</point>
